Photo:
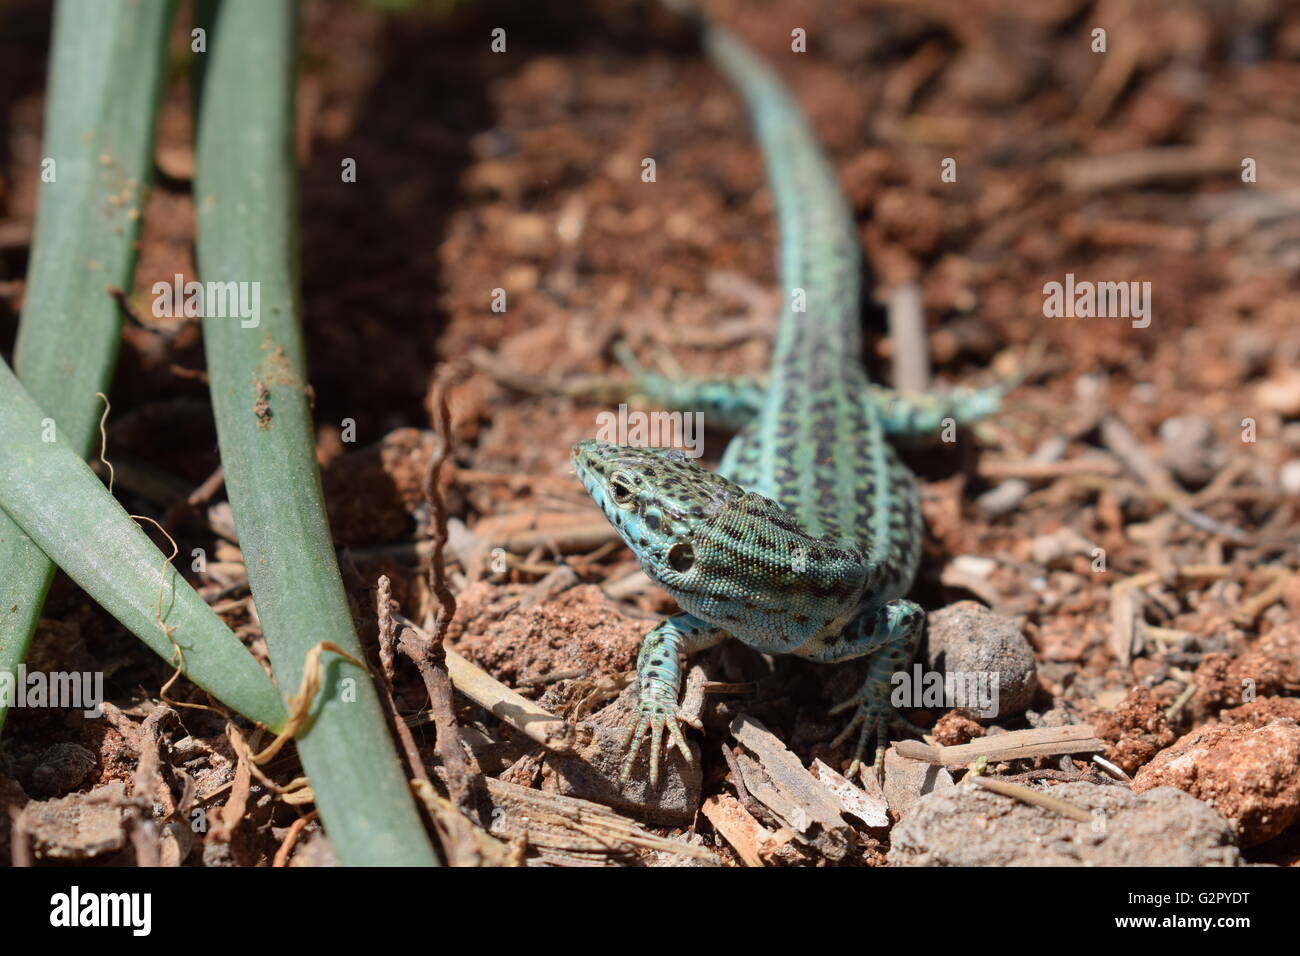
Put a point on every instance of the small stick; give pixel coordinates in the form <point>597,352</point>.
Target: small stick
<point>470,476</point>
<point>1028,795</point>
<point>553,733</point>
<point>911,358</point>
<point>1125,446</point>
<point>1060,776</point>
<point>1145,166</point>
<point>1008,495</point>
<point>117,295</point>
<point>519,712</point>
<point>737,826</point>
<point>385,605</point>
<point>20,844</point>
<point>638,582</point>
<point>583,537</point>
<point>290,838</point>
<point>1046,470</point>
<point>737,778</point>
<point>1110,80</point>
<point>1176,708</point>
<point>461,769</point>
<point>747,687</point>
<point>1254,607</point>
<point>1125,612</point>
<point>201,495</point>
<point>1191,572</point>
<point>541,680</point>
<point>1116,772</point>
<point>1036,742</point>
<point>207,488</point>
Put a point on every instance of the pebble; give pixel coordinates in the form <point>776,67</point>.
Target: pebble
<point>1190,448</point>
<point>975,641</point>
<point>1288,477</point>
<point>62,768</point>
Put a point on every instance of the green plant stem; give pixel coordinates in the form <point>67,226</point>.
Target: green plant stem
<point>105,80</point>
<point>51,493</point>
<point>246,196</point>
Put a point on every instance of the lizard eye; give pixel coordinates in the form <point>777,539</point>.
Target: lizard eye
<point>681,557</point>
<point>621,490</point>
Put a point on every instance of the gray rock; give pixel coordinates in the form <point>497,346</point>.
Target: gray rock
<point>1060,714</point>
<point>1288,477</point>
<point>970,826</point>
<point>79,826</point>
<point>1191,450</point>
<point>977,645</point>
<point>591,772</point>
<point>61,768</point>
<point>218,853</point>
<point>906,781</point>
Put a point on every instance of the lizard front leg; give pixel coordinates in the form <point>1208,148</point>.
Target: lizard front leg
<point>659,681</point>
<point>889,634</point>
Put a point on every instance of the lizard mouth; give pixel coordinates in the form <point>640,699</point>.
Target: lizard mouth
<point>594,462</point>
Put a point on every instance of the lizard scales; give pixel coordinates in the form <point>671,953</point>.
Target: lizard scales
<point>809,535</point>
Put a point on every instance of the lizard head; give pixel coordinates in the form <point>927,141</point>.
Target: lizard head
<point>656,498</point>
<point>730,557</point>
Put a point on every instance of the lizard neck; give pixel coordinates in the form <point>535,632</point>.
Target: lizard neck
<point>760,576</point>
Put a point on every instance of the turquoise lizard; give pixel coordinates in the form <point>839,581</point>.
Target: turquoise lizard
<point>808,537</point>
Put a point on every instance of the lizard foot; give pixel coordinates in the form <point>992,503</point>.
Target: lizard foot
<point>872,718</point>
<point>652,718</point>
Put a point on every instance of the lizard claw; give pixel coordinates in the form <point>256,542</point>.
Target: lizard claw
<point>653,718</point>
<point>692,719</point>
<point>872,717</point>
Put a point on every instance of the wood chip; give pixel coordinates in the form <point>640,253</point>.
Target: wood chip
<point>752,841</point>
<point>911,353</point>
<point>866,803</point>
<point>780,782</point>
<point>568,826</point>
<point>1144,167</point>
<point>1007,496</point>
<point>1125,608</point>
<point>907,781</point>
<point>1038,742</point>
<point>519,712</point>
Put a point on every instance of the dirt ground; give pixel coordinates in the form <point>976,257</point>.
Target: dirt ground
<point>1174,448</point>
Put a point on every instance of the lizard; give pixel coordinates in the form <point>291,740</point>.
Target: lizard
<point>807,539</point>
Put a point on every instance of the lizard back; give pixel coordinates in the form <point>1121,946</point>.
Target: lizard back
<point>817,446</point>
